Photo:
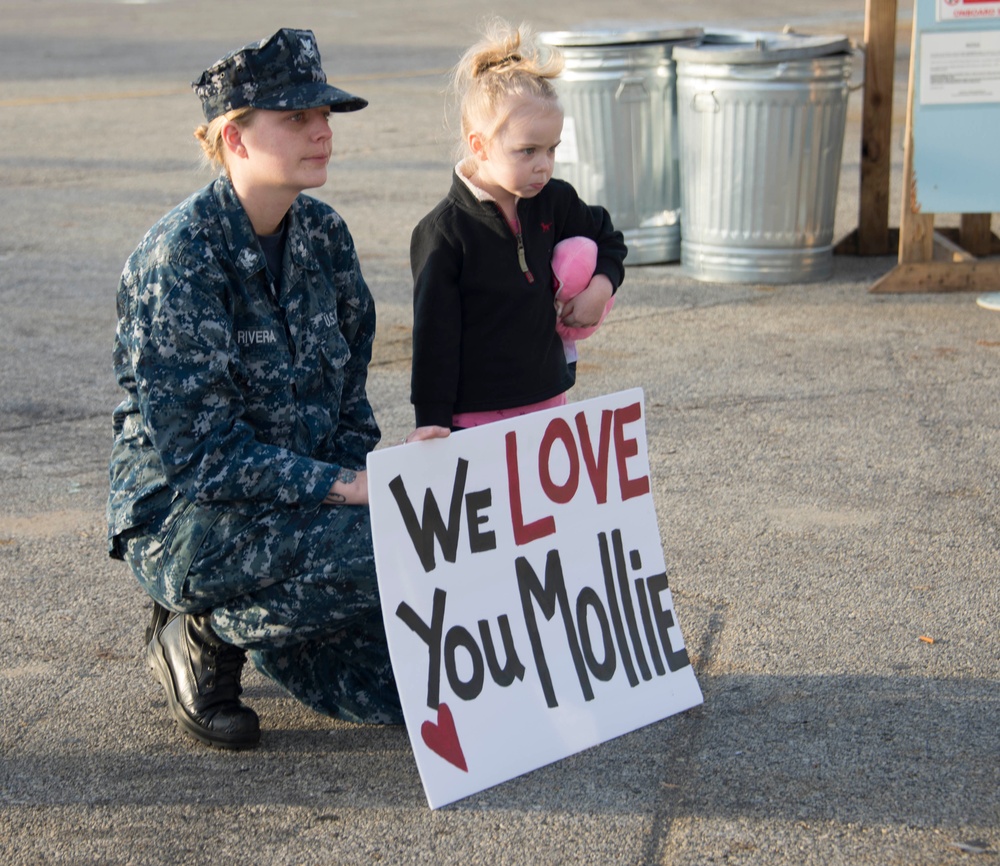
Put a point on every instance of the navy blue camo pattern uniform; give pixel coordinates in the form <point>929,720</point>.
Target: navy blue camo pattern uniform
<point>242,404</point>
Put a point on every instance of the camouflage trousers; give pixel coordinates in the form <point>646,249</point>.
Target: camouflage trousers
<point>296,589</point>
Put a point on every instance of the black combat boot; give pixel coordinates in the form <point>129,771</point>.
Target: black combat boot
<point>161,616</point>
<point>201,676</point>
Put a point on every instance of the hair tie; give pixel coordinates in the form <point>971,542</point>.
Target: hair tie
<point>498,64</point>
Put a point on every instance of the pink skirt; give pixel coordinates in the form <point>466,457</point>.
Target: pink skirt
<point>476,419</point>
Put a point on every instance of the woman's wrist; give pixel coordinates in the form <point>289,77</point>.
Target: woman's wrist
<point>349,488</point>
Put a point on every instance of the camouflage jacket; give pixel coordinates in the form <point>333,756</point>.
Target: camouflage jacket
<point>230,395</point>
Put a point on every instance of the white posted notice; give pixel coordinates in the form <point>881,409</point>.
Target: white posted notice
<point>960,68</point>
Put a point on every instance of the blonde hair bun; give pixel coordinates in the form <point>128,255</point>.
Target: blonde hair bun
<point>505,63</point>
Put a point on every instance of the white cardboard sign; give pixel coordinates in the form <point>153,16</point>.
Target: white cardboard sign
<point>524,592</point>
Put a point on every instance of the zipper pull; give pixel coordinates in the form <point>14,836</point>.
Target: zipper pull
<point>522,261</point>
<point>515,228</point>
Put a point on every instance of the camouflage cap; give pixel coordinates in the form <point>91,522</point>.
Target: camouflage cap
<point>280,73</point>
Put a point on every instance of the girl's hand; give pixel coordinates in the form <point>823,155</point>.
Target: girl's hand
<point>584,311</point>
<point>350,488</point>
<point>429,432</point>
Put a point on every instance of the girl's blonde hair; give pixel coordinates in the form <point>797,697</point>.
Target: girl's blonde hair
<point>505,63</point>
<point>209,136</point>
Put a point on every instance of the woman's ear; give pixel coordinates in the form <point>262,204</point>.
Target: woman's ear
<point>232,137</point>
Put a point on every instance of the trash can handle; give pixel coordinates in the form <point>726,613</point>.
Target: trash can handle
<point>858,48</point>
<point>627,88</point>
<point>705,102</point>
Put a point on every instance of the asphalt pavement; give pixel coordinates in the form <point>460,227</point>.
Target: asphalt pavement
<point>825,464</point>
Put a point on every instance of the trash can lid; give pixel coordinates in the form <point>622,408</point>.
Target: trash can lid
<point>752,47</point>
<point>613,35</point>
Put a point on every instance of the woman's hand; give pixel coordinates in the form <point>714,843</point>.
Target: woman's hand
<point>584,311</point>
<point>429,432</point>
<point>350,488</point>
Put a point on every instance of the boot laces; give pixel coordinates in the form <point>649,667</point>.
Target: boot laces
<point>227,665</point>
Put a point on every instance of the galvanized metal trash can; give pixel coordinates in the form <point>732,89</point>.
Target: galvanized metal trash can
<point>761,122</point>
<point>619,144</point>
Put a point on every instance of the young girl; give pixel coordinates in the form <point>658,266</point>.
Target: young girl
<point>485,344</point>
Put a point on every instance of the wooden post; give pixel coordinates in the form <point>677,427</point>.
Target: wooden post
<point>974,234</point>
<point>916,229</point>
<point>876,128</point>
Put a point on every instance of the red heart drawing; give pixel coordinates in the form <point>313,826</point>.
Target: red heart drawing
<point>442,738</point>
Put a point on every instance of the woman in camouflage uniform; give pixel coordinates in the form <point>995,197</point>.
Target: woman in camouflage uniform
<point>238,491</point>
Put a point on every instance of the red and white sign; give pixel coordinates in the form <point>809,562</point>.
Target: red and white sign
<point>967,10</point>
<point>524,592</point>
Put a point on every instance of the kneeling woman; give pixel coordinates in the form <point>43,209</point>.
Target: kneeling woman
<point>238,490</point>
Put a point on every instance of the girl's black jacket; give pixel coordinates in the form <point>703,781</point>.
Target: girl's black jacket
<point>484,324</point>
